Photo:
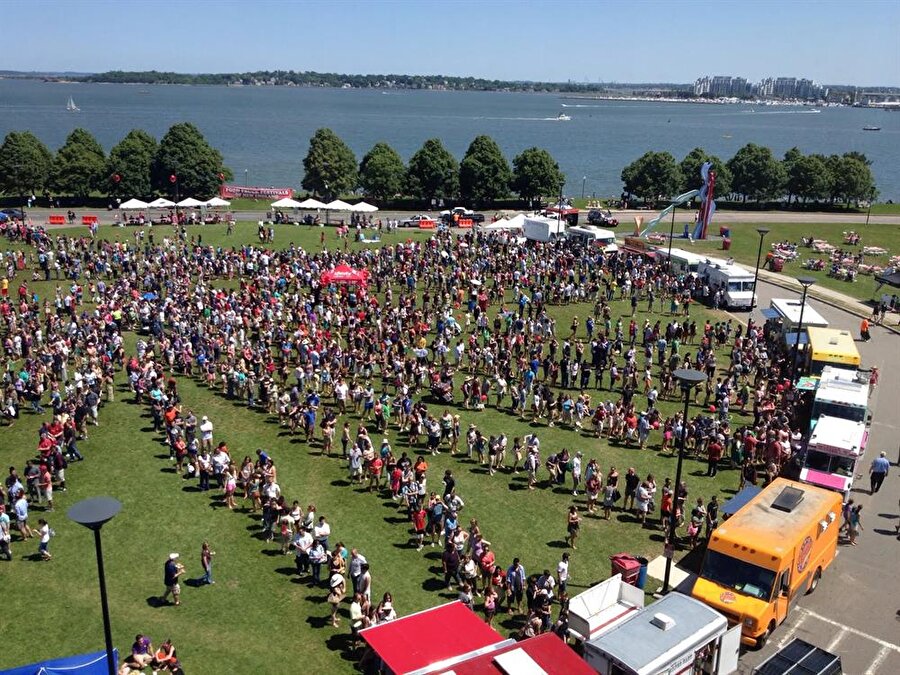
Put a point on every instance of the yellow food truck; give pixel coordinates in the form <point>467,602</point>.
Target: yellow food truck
<point>770,553</point>
<point>830,347</point>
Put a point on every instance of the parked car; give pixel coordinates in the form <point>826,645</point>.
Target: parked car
<point>462,212</point>
<point>14,213</point>
<point>415,220</point>
<point>602,218</point>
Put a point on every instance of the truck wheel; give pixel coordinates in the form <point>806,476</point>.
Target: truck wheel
<point>815,581</point>
<point>764,638</point>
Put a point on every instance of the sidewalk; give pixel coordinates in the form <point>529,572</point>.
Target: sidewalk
<point>829,297</point>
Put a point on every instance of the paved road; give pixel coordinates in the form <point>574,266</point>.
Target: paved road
<point>625,217</point>
<point>854,610</point>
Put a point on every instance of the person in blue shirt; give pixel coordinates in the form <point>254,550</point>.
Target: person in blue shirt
<point>878,471</point>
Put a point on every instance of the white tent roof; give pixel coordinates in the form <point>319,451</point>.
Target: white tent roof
<point>517,220</point>
<point>133,204</point>
<point>311,204</point>
<point>190,202</point>
<point>338,205</point>
<point>160,203</point>
<point>218,201</point>
<point>286,203</point>
<point>363,207</point>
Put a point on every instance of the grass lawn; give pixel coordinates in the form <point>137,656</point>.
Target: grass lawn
<point>745,244</point>
<point>258,617</point>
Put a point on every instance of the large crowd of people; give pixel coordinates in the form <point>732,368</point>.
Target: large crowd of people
<point>449,324</point>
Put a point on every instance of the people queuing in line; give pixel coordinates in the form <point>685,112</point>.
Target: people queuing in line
<point>473,311</point>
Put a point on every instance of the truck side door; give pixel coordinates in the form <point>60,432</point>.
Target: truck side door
<point>782,595</point>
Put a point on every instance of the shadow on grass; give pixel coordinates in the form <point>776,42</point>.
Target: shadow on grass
<point>557,544</point>
<point>272,552</point>
<point>341,483</point>
<point>156,602</point>
<point>433,585</point>
<point>318,621</point>
<point>343,644</point>
<point>286,571</point>
<point>161,455</point>
<point>191,488</point>
<point>395,520</point>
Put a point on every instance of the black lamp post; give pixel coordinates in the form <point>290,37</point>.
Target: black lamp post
<point>806,282</point>
<point>671,235</point>
<point>93,514</point>
<point>687,379</point>
<point>762,231</point>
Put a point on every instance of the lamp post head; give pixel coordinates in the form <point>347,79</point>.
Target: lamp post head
<point>93,513</point>
<point>763,231</point>
<point>689,378</point>
<point>806,282</point>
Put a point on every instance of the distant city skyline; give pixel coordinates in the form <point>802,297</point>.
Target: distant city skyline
<point>652,41</point>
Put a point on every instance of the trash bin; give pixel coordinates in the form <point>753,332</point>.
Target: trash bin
<point>726,243</point>
<point>626,565</point>
<point>777,264</point>
<point>642,573</point>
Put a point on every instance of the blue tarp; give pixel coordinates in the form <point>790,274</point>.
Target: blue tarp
<point>82,664</point>
<point>731,507</point>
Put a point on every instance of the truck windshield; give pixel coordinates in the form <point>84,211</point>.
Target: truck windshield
<point>738,575</point>
<point>844,412</point>
<point>822,461</point>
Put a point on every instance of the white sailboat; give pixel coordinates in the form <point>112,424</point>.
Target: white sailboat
<point>70,105</point>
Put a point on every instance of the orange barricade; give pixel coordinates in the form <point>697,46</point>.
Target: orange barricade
<point>465,223</point>
<point>57,220</point>
<point>426,225</point>
<point>89,220</point>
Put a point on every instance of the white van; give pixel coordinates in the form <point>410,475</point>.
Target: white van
<point>594,236</point>
<point>683,262</point>
<point>735,282</point>
<point>538,228</point>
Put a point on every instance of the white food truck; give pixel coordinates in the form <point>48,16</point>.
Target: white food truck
<point>735,282</point>
<point>676,635</point>
<point>833,454</point>
<point>683,262</point>
<point>593,236</point>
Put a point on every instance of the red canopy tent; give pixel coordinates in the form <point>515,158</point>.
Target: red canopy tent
<point>430,640</point>
<point>344,274</point>
<point>541,655</point>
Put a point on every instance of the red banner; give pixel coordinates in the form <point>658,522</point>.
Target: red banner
<point>231,191</point>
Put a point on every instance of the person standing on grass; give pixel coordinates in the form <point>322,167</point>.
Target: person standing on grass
<point>573,523</point>
<point>44,532</point>
<point>337,589</point>
<point>491,598</point>
<point>206,556</point>
<point>576,471</point>
<point>171,571</point>
<point>562,574</point>
<point>418,517</point>
<point>21,508</point>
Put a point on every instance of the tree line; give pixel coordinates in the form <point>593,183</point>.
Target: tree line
<point>481,177</point>
<point>754,173</point>
<point>182,163</point>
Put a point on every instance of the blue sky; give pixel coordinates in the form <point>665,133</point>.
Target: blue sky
<point>831,41</point>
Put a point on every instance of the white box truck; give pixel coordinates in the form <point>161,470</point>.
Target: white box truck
<point>539,228</point>
<point>735,282</point>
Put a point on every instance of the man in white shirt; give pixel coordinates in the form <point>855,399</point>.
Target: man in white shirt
<point>322,531</point>
<point>562,573</point>
<point>206,433</point>
<point>341,390</point>
<point>303,541</point>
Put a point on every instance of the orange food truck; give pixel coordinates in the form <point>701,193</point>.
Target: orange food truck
<point>764,558</point>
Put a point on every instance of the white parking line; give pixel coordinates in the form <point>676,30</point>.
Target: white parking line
<point>879,659</point>
<point>885,645</point>
<point>837,638</point>
<point>789,635</point>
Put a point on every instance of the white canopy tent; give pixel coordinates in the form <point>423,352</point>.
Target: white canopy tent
<point>286,203</point>
<point>161,203</point>
<point>338,205</point>
<point>311,204</point>
<point>190,202</point>
<point>363,207</point>
<point>217,201</point>
<point>133,204</point>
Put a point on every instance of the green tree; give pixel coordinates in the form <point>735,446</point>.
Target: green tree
<point>329,166</point>
<point>536,173</point>
<point>653,176</point>
<point>484,174</point>
<point>78,166</point>
<point>381,172</point>
<point>807,178</point>
<point>756,173</point>
<point>198,168</point>
<point>131,160</point>
<point>853,180</point>
<point>25,164</point>
<point>690,172</point>
<point>433,172</point>
<point>790,158</point>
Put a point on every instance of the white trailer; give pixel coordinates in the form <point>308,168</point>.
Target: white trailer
<point>539,228</point>
<point>676,635</point>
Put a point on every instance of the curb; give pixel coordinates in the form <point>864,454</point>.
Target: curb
<point>851,307</point>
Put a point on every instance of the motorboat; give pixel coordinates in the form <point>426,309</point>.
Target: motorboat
<point>871,128</point>
<point>70,105</point>
<point>562,117</point>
